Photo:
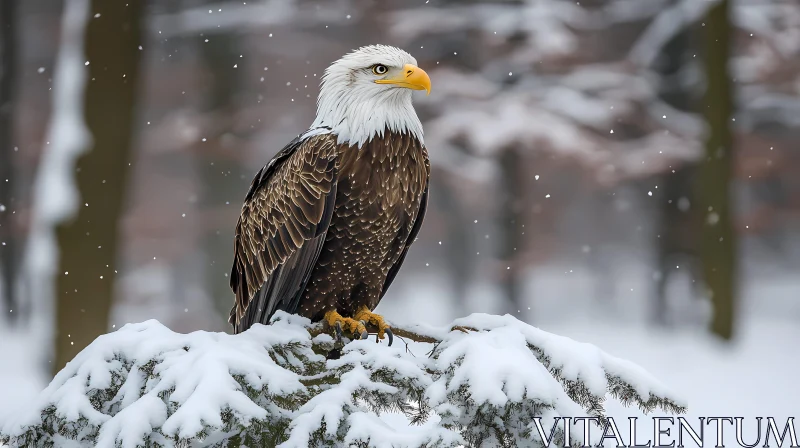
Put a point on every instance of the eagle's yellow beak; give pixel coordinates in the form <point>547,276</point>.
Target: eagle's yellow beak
<point>411,77</point>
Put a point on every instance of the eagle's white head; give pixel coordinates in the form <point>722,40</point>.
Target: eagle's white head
<point>368,91</point>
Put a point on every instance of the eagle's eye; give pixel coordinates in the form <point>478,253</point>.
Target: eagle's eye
<point>379,69</point>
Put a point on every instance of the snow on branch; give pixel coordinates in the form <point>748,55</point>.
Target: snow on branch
<point>482,381</point>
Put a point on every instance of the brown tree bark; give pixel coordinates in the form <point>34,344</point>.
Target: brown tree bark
<point>458,250</point>
<point>9,253</point>
<point>217,161</point>
<point>677,227</point>
<point>718,245</point>
<point>510,222</point>
<point>88,244</point>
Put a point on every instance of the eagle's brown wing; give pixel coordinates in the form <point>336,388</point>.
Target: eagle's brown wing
<point>282,228</point>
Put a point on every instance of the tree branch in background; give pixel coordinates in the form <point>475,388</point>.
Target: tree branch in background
<point>88,244</point>
<point>718,245</point>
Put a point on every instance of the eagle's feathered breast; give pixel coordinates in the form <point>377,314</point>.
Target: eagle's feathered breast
<point>377,203</point>
<point>326,226</point>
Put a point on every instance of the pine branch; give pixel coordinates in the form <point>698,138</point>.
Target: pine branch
<point>486,377</point>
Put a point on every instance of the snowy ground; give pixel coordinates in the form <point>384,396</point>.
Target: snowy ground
<point>754,376</point>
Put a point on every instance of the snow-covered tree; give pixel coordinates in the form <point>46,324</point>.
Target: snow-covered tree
<point>479,382</point>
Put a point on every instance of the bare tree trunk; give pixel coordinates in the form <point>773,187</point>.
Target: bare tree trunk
<point>718,245</point>
<point>512,182</point>
<point>9,254</point>
<point>677,227</point>
<point>217,161</point>
<point>458,249</point>
<point>88,244</point>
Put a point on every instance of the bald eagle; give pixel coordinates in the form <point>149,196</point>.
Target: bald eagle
<point>327,223</point>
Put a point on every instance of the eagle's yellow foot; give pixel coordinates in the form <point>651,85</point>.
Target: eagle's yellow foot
<point>367,316</point>
<point>337,321</point>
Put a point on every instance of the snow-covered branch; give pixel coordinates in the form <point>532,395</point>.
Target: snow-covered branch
<point>483,380</point>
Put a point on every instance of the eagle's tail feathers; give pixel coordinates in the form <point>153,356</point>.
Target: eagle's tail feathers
<point>284,287</point>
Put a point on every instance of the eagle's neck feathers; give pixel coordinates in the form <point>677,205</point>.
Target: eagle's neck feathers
<point>357,119</point>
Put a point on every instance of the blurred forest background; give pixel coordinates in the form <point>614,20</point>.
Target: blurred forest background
<point>624,172</point>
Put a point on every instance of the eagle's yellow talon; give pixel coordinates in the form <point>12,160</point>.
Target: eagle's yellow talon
<point>364,314</point>
<point>351,325</point>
